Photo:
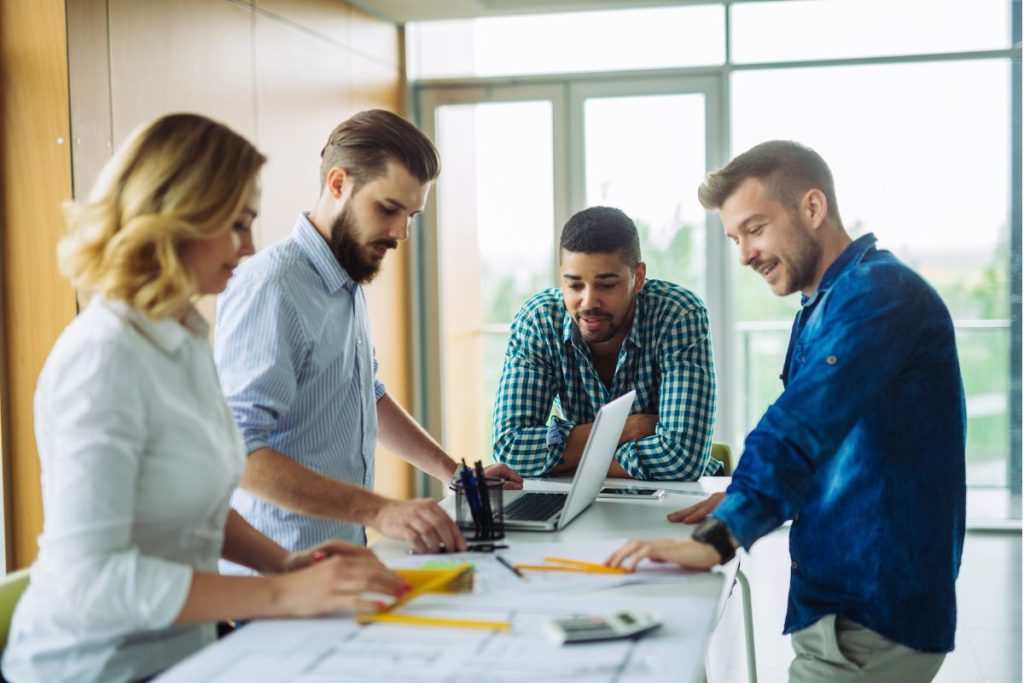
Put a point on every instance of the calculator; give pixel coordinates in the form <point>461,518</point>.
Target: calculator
<point>625,624</point>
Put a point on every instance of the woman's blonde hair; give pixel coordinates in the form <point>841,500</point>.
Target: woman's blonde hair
<point>178,178</point>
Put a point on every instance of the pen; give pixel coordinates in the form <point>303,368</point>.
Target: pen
<point>486,514</point>
<point>467,489</point>
<point>511,567</point>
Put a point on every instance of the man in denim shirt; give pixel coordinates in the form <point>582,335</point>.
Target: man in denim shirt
<point>864,449</point>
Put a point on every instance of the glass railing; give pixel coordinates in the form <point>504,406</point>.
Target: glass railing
<point>983,346</point>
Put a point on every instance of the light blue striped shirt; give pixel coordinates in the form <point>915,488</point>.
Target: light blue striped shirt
<point>297,365</point>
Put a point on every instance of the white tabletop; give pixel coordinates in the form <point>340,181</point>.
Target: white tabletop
<point>335,648</point>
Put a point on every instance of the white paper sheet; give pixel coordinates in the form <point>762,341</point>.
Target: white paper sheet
<point>317,651</point>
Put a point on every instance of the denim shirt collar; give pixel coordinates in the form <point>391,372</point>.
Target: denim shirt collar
<point>319,253</point>
<point>853,252</point>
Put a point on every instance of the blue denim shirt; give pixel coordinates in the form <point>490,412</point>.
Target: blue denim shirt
<point>864,451</point>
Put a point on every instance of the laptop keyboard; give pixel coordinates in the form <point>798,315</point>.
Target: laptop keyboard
<point>535,507</point>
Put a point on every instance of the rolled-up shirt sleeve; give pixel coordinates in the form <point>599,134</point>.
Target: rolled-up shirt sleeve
<point>524,438</point>
<point>378,386</point>
<point>259,351</point>
<point>680,447</point>
<point>99,432</point>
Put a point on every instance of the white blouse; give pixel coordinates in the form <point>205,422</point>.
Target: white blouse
<point>139,456</point>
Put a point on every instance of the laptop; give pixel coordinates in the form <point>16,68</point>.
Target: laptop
<point>535,511</point>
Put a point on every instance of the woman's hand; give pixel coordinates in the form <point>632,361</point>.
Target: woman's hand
<point>696,513</point>
<point>341,581</point>
<point>687,553</point>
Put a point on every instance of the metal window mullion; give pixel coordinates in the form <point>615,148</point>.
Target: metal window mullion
<point>1013,464</point>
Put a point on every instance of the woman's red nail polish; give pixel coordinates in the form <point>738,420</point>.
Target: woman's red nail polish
<point>319,555</point>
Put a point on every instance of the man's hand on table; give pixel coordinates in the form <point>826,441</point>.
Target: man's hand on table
<point>685,552</point>
<point>422,523</point>
<point>697,513</point>
<point>502,471</point>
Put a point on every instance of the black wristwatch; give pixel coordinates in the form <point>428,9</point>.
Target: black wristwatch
<point>713,532</point>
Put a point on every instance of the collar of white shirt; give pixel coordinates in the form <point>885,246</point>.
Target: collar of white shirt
<point>167,333</point>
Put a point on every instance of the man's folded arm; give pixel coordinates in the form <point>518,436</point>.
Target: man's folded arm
<point>523,438</point>
<point>680,447</point>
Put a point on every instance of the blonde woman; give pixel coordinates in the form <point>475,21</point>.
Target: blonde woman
<point>139,452</point>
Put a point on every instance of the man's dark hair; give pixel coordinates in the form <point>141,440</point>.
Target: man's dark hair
<point>787,169</point>
<point>364,143</point>
<point>602,230</point>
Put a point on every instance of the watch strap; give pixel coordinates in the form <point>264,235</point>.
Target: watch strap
<point>712,531</point>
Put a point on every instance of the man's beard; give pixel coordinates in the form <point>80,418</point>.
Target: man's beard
<point>351,254</point>
<point>802,260</point>
<point>613,329</point>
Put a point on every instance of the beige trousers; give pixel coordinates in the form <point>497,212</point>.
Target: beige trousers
<point>837,650</point>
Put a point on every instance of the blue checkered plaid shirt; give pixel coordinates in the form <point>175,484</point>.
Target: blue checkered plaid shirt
<point>666,357</point>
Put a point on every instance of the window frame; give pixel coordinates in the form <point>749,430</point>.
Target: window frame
<point>570,192</point>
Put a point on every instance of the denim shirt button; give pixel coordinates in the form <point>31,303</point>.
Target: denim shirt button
<point>794,565</point>
<point>796,516</point>
<point>831,360</point>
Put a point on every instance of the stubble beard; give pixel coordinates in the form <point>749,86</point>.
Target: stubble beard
<point>350,253</point>
<point>801,263</point>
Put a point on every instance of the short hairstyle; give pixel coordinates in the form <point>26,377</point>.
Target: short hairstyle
<point>602,230</point>
<point>364,144</point>
<point>788,170</point>
<point>178,178</point>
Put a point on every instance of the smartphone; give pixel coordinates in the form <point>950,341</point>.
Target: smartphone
<point>631,493</point>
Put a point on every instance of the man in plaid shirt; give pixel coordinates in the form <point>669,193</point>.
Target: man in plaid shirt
<point>605,332</point>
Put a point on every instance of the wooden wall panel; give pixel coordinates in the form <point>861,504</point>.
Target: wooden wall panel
<point>36,180</point>
<point>301,95</point>
<point>89,83</point>
<point>374,39</point>
<point>180,55</point>
<point>328,19</point>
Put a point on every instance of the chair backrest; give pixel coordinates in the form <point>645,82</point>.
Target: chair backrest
<point>11,588</point>
<point>723,454</point>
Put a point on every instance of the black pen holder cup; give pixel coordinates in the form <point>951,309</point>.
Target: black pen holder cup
<point>478,519</point>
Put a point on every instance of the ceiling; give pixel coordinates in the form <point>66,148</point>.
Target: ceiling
<point>402,11</point>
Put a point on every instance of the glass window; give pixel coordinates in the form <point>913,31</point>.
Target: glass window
<point>495,204</point>
<point>652,173</point>
<point>920,153</point>
<point>825,29</point>
<point>557,43</point>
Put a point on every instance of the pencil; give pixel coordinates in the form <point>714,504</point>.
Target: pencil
<point>414,620</point>
<point>578,563</point>
<point>511,567</point>
<point>578,570</point>
<point>583,565</point>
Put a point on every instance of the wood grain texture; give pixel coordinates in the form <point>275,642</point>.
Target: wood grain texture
<point>36,180</point>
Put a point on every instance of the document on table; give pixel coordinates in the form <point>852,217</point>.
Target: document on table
<point>332,649</point>
<point>492,579</point>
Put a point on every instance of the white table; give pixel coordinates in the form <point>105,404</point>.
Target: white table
<point>265,650</point>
